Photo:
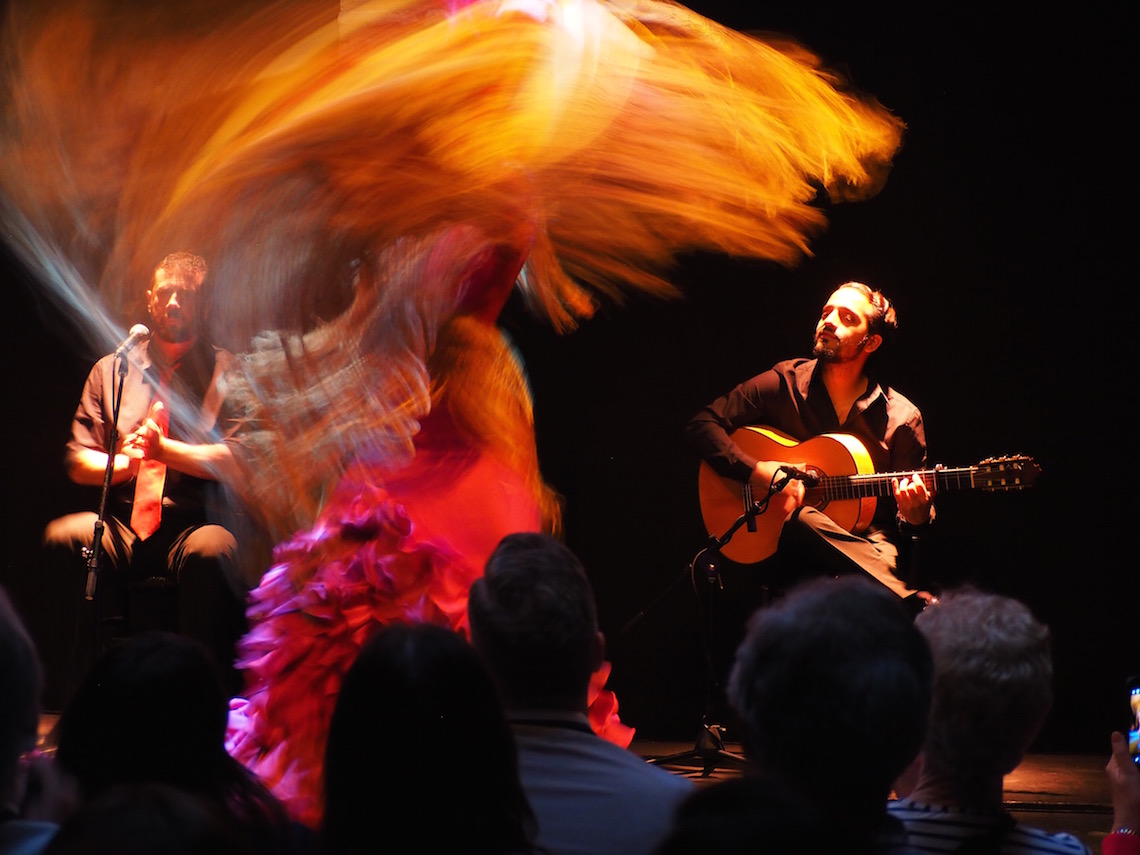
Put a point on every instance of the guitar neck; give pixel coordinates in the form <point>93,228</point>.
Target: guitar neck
<point>835,487</point>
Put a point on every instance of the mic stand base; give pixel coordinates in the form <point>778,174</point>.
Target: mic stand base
<point>708,752</point>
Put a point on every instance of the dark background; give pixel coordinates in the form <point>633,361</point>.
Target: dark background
<point>1001,237</point>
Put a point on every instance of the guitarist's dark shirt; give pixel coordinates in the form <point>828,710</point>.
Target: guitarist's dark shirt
<point>791,397</point>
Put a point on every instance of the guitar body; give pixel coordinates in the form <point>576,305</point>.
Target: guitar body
<point>723,500</point>
<point>847,487</point>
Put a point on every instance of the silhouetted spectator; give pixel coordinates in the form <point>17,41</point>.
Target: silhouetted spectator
<point>150,819</point>
<point>20,681</point>
<point>418,741</point>
<point>750,815</point>
<point>533,620</point>
<point>993,674</point>
<point>152,710</point>
<point>832,687</point>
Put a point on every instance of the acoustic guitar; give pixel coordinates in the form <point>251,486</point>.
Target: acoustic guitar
<point>847,487</point>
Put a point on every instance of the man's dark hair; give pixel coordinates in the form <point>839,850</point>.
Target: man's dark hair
<point>187,262</point>
<point>832,685</point>
<point>534,620</point>
<point>883,320</point>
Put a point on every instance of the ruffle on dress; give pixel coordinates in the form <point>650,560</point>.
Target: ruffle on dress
<point>363,565</point>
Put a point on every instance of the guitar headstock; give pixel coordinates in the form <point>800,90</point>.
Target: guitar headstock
<point>1006,473</point>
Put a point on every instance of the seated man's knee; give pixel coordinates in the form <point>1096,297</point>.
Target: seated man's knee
<point>809,518</point>
<point>208,556</point>
<point>802,526</point>
<point>71,532</point>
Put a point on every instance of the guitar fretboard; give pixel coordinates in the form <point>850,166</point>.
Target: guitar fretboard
<point>879,484</point>
<point>1003,474</point>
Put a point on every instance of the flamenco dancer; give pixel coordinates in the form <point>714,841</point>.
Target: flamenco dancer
<point>373,182</point>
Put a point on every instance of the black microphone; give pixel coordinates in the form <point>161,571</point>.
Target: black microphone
<point>139,332</point>
<point>809,479</point>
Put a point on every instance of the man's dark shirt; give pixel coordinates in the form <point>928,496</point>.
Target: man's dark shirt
<point>195,382</point>
<point>791,398</point>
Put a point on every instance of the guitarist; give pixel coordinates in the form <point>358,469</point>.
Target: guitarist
<point>835,392</point>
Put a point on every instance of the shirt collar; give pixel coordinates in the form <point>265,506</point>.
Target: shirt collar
<point>806,375</point>
<point>550,718</point>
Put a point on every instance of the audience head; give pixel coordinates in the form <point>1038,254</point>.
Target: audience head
<point>150,709</point>
<point>993,677</point>
<point>749,815</point>
<point>20,681</point>
<point>147,819</point>
<point>832,687</point>
<point>418,708</point>
<point>533,619</point>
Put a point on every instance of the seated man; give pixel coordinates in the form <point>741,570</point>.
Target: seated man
<point>993,675</point>
<point>160,518</point>
<point>533,620</point>
<point>837,391</point>
<point>832,687</point>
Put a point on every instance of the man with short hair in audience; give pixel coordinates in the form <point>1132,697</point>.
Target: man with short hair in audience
<point>832,686</point>
<point>534,621</point>
<point>993,674</point>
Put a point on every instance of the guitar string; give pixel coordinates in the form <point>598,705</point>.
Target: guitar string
<point>879,484</point>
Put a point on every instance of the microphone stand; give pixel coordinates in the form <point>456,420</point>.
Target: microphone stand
<point>94,553</point>
<point>709,749</point>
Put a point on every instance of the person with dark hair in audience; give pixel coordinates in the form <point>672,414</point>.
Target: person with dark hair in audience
<point>533,619</point>
<point>832,687</point>
<point>150,819</point>
<point>21,833</point>
<point>152,710</point>
<point>750,815</point>
<point>418,740</point>
<point>993,674</point>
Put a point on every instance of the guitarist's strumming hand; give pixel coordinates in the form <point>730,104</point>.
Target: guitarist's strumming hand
<point>913,498</point>
<point>767,473</point>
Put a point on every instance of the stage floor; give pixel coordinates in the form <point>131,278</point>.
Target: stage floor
<point>1056,792</point>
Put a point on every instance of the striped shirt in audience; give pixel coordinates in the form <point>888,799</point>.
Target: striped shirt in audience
<point>939,829</point>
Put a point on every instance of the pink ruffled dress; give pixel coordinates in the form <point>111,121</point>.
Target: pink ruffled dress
<point>386,547</point>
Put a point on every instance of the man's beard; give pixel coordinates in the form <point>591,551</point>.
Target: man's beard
<point>826,351</point>
<point>176,332</point>
<point>831,350</point>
